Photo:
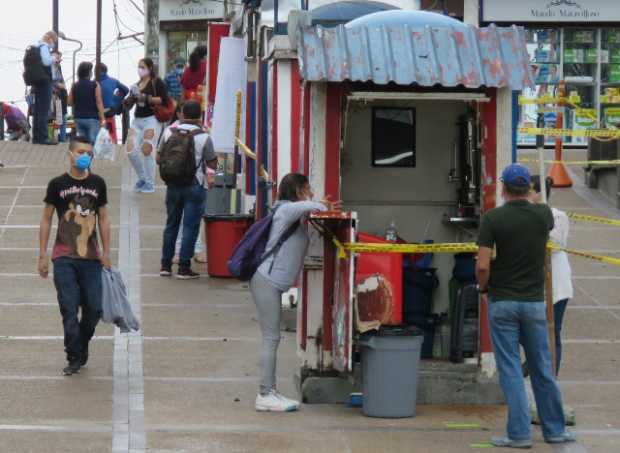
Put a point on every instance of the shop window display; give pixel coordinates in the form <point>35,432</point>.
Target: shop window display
<point>181,44</point>
<point>588,60</point>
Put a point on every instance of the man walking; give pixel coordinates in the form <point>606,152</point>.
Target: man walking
<point>519,231</point>
<point>43,91</point>
<point>112,94</point>
<point>183,159</point>
<point>79,198</point>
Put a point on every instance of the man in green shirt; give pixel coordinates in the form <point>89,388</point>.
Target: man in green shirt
<point>515,281</point>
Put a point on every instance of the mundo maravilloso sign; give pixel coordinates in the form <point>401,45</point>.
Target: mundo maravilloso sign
<point>551,11</point>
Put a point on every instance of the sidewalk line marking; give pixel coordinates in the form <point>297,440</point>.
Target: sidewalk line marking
<point>128,434</point>
<point>85,428</point>
<point>595,300</point>
<point>12,207</point>
<point>594,307</point>
<point>110,337</point>
<point>596,277</point>
<point>589,341</point>
<point>588,382</point>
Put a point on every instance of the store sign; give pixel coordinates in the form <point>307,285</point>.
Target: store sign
<point>175,10</point>
<point>550,11</point>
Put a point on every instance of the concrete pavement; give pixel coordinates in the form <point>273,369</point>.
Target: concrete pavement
<point>187,382</point>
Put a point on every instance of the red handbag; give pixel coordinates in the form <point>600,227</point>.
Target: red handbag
<point>164,112</point>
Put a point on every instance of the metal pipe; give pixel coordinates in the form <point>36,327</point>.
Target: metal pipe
<point>55,18</point>
<point>98,45</point>
<point>61,35</point>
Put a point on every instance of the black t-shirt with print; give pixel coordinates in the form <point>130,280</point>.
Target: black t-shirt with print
<point>77,203</point>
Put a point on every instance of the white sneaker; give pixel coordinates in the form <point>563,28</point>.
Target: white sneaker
<point>275,402</point>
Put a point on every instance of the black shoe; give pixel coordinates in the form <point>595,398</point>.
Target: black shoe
<point>186,273</point>
<point>165,271</point>
<point>72,368</point>
<point>84,357</point>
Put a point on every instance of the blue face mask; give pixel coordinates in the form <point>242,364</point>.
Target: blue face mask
<point>83,162</point>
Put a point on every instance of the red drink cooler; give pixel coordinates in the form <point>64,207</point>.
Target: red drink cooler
<point>390,265</point>
<point>223,233</point>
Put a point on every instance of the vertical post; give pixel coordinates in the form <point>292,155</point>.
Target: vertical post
<point>540,145</point>
<point>237,163</point>
<point>55,26</point>
<point>557,171</point>
<point>98,45</point>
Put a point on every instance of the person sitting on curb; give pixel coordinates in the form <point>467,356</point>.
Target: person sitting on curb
<point>80,200</point>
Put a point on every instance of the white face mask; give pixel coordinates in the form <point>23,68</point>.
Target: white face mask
<point>143,72</point>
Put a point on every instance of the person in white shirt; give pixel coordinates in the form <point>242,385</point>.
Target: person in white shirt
<point>560,266</point>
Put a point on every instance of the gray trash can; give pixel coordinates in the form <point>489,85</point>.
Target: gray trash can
<point>390,361</point>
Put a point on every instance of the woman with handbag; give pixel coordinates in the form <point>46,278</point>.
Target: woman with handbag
<point>153,105</point>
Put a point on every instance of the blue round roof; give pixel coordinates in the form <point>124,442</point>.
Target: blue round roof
<point>402,17</point>
<point>346,11</point>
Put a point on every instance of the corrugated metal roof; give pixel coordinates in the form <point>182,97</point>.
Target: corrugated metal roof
<point>416,47</point>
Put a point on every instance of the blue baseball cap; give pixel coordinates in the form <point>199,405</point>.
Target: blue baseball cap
<point>516,175</point>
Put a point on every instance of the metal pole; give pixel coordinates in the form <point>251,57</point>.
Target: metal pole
<point>55,17</point>
<point>98,51</point>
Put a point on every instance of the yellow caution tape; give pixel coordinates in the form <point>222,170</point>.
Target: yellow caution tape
<point>599,258</point>
<point>461,425</point>
<point>464,247</point>
<point>573,162</point>
<point>481,445</point>
<point>548,99</point>
<point>593,219</point>
<point>556,132</point>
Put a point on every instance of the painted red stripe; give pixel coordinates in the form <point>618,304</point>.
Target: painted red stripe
<point>332,141</point>
<point>274,132</point>
<point>306,132</point>
<point>295,116</point>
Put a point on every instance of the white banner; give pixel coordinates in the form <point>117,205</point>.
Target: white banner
<point>175,10</point>
<point>550,11</point>
<point>231,77</point>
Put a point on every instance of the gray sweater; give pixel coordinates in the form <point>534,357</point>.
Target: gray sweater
<point>288,261</point>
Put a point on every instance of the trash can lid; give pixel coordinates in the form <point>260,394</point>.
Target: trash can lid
<point>393,331</point>
<point>228,217</point>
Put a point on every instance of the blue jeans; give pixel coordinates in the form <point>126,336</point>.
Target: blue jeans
<point>187,202</point>
<point>559,308</point>
<point>514,322</point>
<point>62,132</point>
<point>87,127</point>
<point>41,112</point>
<point>78,284</point>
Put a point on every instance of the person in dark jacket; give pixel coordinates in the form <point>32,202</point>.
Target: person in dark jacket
<point>112,93</point>
<point>87,103</point>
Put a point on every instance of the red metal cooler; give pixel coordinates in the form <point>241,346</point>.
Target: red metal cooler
<point>223,233</point>
<point>390,265</point>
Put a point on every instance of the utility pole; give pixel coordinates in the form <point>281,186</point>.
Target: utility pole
<point>55,18</point>
<point>98,51</point>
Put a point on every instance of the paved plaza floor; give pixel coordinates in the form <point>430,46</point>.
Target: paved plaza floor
<point>187,381</point>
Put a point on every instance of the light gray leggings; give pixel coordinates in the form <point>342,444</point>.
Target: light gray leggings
<point>268,301</point>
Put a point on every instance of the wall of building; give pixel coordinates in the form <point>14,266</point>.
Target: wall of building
<point>415,198</point>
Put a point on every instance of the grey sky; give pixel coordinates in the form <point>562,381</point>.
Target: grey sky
<point>25,21</point>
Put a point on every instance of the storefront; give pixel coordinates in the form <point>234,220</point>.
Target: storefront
<point>183,26</point>
<point>571,40</point>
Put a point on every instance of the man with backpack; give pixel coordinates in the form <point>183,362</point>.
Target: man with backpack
<point>38,62</point>
<point>183,158</point>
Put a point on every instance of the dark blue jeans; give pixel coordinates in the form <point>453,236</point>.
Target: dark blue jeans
<point>514,322</point>
<point>559,308</point>
<point>187,202</point>
<point>41,113</point>
<point>78,285</point>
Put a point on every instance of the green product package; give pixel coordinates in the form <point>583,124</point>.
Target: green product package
<point>614,73</point>
<point>591,56</point>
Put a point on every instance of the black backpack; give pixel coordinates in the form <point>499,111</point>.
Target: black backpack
<point>177,158</point>
<point>35,71</point>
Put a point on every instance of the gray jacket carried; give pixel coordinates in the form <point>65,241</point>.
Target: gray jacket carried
<point>115,303</point>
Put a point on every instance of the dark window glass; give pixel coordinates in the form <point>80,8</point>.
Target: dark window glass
<point>393,137</point>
